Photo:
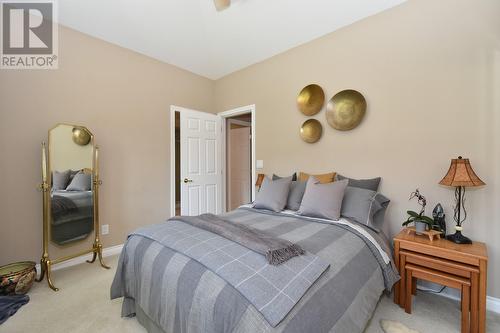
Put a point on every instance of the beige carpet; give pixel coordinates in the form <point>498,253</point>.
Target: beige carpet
<point>82,305</point>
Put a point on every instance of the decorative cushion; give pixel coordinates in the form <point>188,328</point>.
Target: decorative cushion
<point>60,179</point>
<point>323,200</point>
<point>369,184</point>
<point>362,206</point>
<point>294,177</point>
<point>72,174</point>
<point>296,193</point>
<point>81,182</point>
<point>323,178</point>
<point>273,194</point>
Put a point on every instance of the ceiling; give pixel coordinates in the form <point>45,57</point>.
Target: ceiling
<point>192,35</point>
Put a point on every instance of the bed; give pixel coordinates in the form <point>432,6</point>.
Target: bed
<point>172,291</point>
<point>72,215</point>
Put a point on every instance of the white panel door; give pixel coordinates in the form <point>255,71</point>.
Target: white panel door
<point>201,176</point>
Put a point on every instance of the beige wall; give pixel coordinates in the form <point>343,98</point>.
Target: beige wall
<point>124,98</point>
<point>430,71</point>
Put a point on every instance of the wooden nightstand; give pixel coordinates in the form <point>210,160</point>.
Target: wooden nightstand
<point>441,256</point>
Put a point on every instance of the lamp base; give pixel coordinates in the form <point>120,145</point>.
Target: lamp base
<point>458,238</point>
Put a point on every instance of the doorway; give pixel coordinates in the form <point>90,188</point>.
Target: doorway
<point>238,160</point>
<point>238,152</point>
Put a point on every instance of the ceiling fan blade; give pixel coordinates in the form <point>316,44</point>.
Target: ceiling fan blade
<point>222,4</point>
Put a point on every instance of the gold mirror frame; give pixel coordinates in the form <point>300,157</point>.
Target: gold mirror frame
<point>46,262</point>
<point>311,99</point>
<point>311,131</point>
<point>346,110</point>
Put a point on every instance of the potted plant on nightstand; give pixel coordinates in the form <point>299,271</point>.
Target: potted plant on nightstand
<point>422,222</point>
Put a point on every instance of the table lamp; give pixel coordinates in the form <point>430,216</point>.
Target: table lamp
<point>460,175</point>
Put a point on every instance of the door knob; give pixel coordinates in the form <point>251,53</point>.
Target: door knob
<point>188,180</point>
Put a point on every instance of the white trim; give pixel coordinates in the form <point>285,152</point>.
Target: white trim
<point>492,303</point>
<point>231,113</point>
<point>173,108</point>
<point>106,252</point>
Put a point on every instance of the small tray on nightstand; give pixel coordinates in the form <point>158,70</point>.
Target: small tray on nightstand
<point>429,233</point>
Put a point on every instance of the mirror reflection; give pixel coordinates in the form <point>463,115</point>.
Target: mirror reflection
<point>71,155</point>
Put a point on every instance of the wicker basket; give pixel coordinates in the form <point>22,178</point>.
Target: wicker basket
<point>17,278</point>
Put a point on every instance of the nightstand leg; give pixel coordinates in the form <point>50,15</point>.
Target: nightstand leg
<point>465,308</point>
<point>397,288</point>
<point>414,286</point>
<point>483,269</point>
<point>402,286</point>
<point>474,303</point>
<point>408,291</point>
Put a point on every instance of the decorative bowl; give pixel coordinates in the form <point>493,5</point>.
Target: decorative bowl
<point>17,278</point>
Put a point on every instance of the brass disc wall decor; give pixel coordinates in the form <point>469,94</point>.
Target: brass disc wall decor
<point>311,99</point>
<point>311,131</point>
<point>81,136</point>
<point>346,110</point>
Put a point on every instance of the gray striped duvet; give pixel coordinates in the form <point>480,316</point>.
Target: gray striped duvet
<point>179,294</point>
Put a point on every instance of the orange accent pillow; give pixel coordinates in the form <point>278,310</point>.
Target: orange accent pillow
<point>323,178</point>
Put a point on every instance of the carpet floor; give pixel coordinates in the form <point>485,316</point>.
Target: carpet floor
<point>82,305</point>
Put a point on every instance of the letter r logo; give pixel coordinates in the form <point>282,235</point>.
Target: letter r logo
<point>27,27</point>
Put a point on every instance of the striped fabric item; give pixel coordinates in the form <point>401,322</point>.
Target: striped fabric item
<point>179,294</point>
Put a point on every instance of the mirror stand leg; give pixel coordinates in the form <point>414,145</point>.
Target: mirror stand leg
<point>99,253</point>
<point>43,268</point>
<point>49,276</point>
<point>94,256</point>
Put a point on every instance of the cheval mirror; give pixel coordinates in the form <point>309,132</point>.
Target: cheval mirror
<point>70,187</point>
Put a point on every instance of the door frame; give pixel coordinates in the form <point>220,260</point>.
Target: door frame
<point>224,115</point>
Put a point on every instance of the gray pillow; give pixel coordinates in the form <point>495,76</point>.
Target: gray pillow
<point>364,206</point>
<point>273,194</point>
<point>60,180</point>
<point>323,200</point>
<point>294,177</point>
<point>296,193</point>
<point>72,174</point>
<point>81,182</point>
<point>369,184</point>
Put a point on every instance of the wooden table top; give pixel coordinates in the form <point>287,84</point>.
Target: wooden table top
<point>476,249</point>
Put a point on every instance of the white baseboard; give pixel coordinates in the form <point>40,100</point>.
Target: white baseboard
<point>106,252</point>
<point>492,303</point>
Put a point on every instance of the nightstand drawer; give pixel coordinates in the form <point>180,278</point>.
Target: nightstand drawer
<point>438,264</point>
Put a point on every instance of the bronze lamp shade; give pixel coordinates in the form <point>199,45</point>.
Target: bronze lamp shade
<point>460,175</point>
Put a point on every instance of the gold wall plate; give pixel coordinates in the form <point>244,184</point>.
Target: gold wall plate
<point>311,99</point>
<point>81,136</point>
<point>311,131</point>
<point>346,110</point>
